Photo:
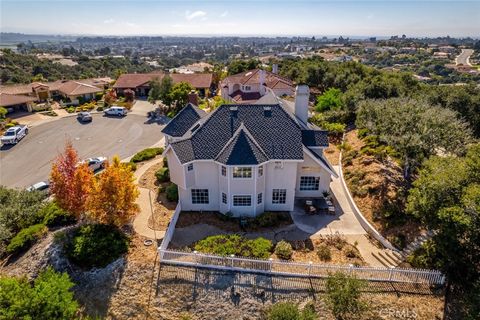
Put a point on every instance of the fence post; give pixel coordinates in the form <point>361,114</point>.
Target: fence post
<point>390,274</point>
<point>231,260</point>
<point>196,257</point>
<point>310,263</point>
<point>270,262</point>
<point>351,268</point>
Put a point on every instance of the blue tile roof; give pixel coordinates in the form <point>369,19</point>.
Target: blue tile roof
<point>315,138</point>
<point>241,150</point>
<point>270,126</point>
<point>183,121</point>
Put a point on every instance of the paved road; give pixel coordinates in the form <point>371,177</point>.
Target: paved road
<point>463,57</point>
<point>30,160</point>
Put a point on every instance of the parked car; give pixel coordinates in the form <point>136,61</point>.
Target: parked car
<point>116,111</point>
<point>39,186</point>
<point>84,116</point>
<point>14,134</point>
<point>95,164</point>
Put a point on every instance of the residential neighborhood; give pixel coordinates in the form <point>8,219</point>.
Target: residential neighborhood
<point>178,160</point>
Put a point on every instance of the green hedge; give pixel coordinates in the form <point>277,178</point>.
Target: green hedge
<point>163,175</point>
<point>96,245</point>
<point>146,154</point>
<point>284,250</point>
<point>172,192</point>
<point>26,238</point>
<point>269,219</point>
<point>53,216</point>
<point>234,244</point>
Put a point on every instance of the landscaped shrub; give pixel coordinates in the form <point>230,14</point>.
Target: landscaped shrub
<point>26,238</point>
<point>290,311</point>
<point>53,216</point>
<point>324,253</point>
<point>146,154</point>
<point>172,192</point>
<point>70,109</point>
<point>351,252</point>
<point>163,175</point>
<point>48,297</point>
<point>165,162</point>
<point>234,244</point>
<point>270,219</point>
<point>344,296</point>
<point>132,165</point>
<point>96,245</point>
<point>283,250</point>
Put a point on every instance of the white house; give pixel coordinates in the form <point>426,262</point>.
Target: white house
<point>247,159</point>
<point>249,86</point>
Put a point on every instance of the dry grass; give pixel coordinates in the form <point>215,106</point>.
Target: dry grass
<point>306,251</point>
<point>332,153</point>
<point>373,184</point>
<point>162,208</point>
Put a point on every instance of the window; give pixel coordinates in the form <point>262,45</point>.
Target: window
<point>200,196</point>
<point>279,196</point>
<point>190,167</point>
<point>224,171</point>
<point>309,183</point>
<point>260,171</point>
<point>242,201</point>
<point>224,198</point>
<point>242,172</point>
<point>259,198</point>
<point>278,164</point>
<point>247,88</point>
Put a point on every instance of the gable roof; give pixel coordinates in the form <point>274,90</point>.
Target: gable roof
<point>271,128</point>
<point>315,138</point>
<point>252,77</point>
<point>183,121</point>
<point>133,80</point>
<point>241,150</point>
<point>7,100</point>
<point>73,88</point>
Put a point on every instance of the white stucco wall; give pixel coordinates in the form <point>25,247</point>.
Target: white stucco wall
<point>176,169</point>
<point>284,178</point>
<point>311,168</point>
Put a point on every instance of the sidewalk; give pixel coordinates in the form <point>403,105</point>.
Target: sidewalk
<point>144,201</point>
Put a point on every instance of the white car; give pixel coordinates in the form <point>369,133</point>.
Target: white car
<point>95,164</point>
<point>14,134</point>
<point>116,111</point>
<point>39,186</point>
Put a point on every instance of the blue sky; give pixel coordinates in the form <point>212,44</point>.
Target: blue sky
<point>347,18</point>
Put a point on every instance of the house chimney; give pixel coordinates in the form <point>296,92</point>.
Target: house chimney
<point>302,94</point>
<point>193,98</point>
<point>275,68</point>
<point>261,77</point>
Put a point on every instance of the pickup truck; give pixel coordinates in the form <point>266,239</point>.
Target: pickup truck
<point>14,134</point>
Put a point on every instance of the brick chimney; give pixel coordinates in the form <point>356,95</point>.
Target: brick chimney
<point>193,98</point>
<point>302,94</point>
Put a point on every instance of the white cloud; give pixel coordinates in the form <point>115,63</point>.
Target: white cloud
<point>108,21</point>
<point>131,24</point>
<point>224,14</point>
<point>196,14</point>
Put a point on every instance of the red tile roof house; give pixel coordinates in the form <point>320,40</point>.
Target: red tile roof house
<point>41,91</point>
<point>249,86</point>
<point>139,82</point>
<point>14,102</point>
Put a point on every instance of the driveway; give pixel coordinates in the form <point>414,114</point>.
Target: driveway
<point>30,160</point>
<point>464,57</point>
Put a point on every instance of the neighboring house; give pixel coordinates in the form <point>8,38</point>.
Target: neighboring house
<point>14,102</point>
<point>42,91</point>
<point>140,82</point>
<point>247,159</point>
<point>249,86</point>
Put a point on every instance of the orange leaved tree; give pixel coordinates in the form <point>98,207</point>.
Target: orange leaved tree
<point>112,200</point>
<point>70,183</point>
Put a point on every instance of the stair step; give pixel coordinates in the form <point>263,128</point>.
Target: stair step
<point>393,257</point>
<point>387,260</point>
<point>380,260</point>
